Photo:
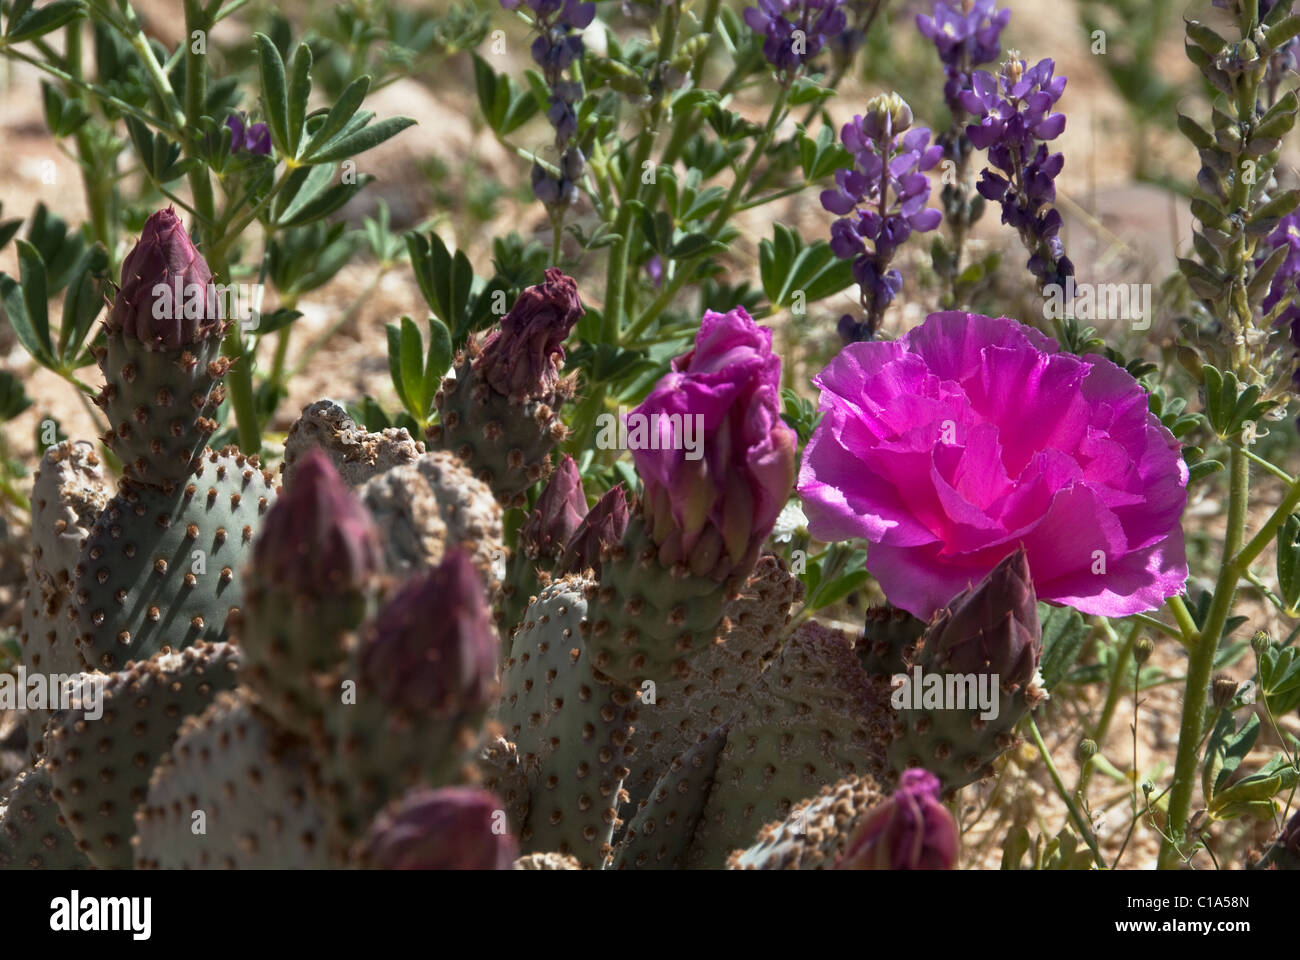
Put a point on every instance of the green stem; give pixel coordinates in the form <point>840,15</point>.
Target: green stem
<point>1084,829</point>
<point>617,273</point>
<point>685,269</point>
<point>1200,663</point>
<point>1122,658</point>
<point>1183,617</point>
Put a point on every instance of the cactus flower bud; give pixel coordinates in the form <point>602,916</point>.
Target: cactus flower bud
<point>166,300</point>
<point>432,648</point>
<point>318,539</point>
<point>558,513</point>
<point>912,830</point>
<point>523,358</point>
<point>453,828</point>
<point>603,525</point>
<point>721,463</point>
<point>992,627</point>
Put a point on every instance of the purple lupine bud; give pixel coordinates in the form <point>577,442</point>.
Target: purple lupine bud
<point>572,163</point>
<point>558,513</point>
<point>166,300</point>
<point>795,31</point>
<point>318,539</point>
<point>912,830</point>
<point>724,463</point>
<point>654,269</point>
<point>992,627</point>
<point>523,357</point>
<point>255,138</point>
<point>432,648</point>
<point>450,828</point>
<point>604,525</point>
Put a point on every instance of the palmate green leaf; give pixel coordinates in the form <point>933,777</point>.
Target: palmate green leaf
<point>275,93</point>
<point>1226,749</point>
<point>412,368</point>
<point>438,361</point>
<point>344,109</point>
<point>31,22</point>
<point>83,302</point>
<point>395,372</point>
<point>31,269</point>
<point>13,398</point>
<point>1064,632</point>
<point>362,140</point>
<point>298,94</point>
<point>822,156</point>
<point>13,305</point>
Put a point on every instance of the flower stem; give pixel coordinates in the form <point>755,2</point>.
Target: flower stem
<point>1200,663</point>
<point>1084,830</point>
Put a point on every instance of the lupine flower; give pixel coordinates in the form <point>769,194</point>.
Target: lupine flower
<point>794,31</point>
<point>451,828</point>
<point>556,47</point>
<point>1284,284</point>
<point>256,138</point>
<point>1014,118</point>
<point>318,538</point>
<point>163,275</point>
<point>887,157</point>
<point>604,525</point>
<point>523,357</point>
<point>912,830</point>
<point>432,648</point>
<point>558,513</point>
<point>721,506</point>
<point>966,34</point>
<point>971,437</point>
<point>992,628</point>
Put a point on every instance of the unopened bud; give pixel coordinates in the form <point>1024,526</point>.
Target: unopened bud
<point>1260,642</point>
<point>1223,688</point>
<point>1087,749</point>
<point>1143,649</point>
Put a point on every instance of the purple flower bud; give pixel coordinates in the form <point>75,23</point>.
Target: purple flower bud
<point>451,828</point>
<point>318,538</point>
<point>166,300</point>
<point>255,138</point>
<point>558,513</point>
<point>432,648</point>
<point>912,830</point>
<point>724,463</point>
<point>991,628</point>
<point>794,31</point>
<point>604,525</point>
<point>524,356</point>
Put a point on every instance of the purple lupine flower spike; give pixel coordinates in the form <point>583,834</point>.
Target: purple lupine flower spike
<point>1013,120</point>
<point>881,200</point>
<point>795,31</point>
<point>967,35</point>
